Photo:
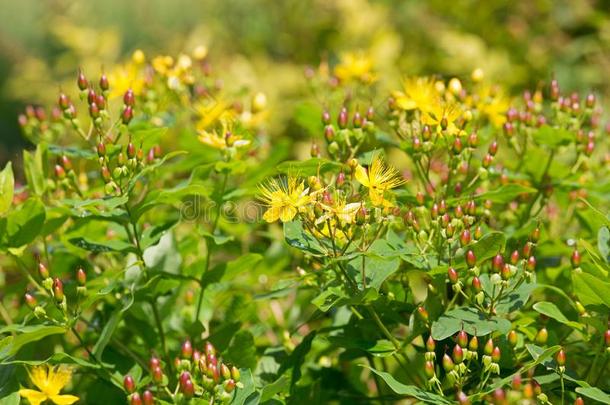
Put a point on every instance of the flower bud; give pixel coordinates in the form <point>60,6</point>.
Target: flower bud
<point>575,259</point>
<point>535,235</point>
<point>127,114</point>
<point>473,345</point>
<point>235,375</point>
<point>104,84</point>
<point>154,362</point>
<point>157,375</point>
<point>457,146</point>
<point>489,347</point>
<point>81,276</point>
<point>453,275</point>
<point>315,150</point>
<point>131,150</point>
<point>60,173</point>
<point>423,313</point>
<point>506,272</point>
<point>101,149</point>
<point>94,110</point>
<point>429,369</point>
<point>186,351</point>
<point>81,81</point>
<point>42,270</point>
<point>471,259</point>
<point>607,338</point>
<point>342,118</point>
<point>225,372</point>
<point>496,355</point>
<point>209,349</point>
<point>30,300</point>
<point>135,399</point>
<point>430,344</point>
<point>512,338</point>
<point>325,117</point>
<point>229,385</point>
<point>465,237</point>
<point>514,257</point>
<point>542,336</point>
<point>58,290</point>
<point>560,358</point>
<point>493,148</point>
<point>129,384</point>
<point>462,338</point>
<point>357,120</point>
<point>361,215</point>
<point>91,96</point>
<point>63,102</point>
<point>531,263</point>
<point>579,401</point>
<point>129,98</point>
<point>448,364</point>
<point>590,100</point>
<point>458,354</point>
<point>148,398</point>
<point>476,284</point>
<point>329,133</point>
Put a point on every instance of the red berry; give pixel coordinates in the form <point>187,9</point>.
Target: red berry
<point>430,344</point>
<point>465,237</point>
<point>575,259</point>
<point>81,81</point>
<point>514,257</point>
<point>489,347</point>
<point>186,350</point>
<point>476,284</point>
<point>129,98</point>
<point>462,338</point>
<point>148,398</point>
<point>579,401</point>
<point>531,263</point>
<point>497,263</point>
<point>561,357</point>
<point>496,354</point>
<point>129,384</point>
<point>135,399</point>
<point>471,259</point>
<point>473,345</point>
<point>453,275</point>
<point>81,276</point>
<point>58,290</point>
<point>458,354</point>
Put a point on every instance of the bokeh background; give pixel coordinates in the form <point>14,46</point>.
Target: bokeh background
<point>265,44</point>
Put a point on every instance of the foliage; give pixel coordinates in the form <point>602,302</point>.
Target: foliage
<point>448,245</point>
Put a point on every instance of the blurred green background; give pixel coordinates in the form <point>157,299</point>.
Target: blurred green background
<point>264,44</point>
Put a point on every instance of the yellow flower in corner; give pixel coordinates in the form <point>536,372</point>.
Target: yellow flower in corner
<point>284,199</point>
<point>49,380</point>
<point>418,93</point>
<point>378,179</point>
<point>355,66</point>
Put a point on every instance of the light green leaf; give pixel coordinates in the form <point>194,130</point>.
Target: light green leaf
<point>591,290</point>
<point>594,393</point>
<point>25,224</point>
<point>10,345</point>
<point>603,243</point>
<point>242,350</point>
<point>485,248</point>
<point>36,169</point>
<point>103,246</point>
<point>296,237</point>
<point>7,188</point>
<point>469,319</point>
<point>549,309</point>
<point>552,137</point>
<point>243,394</point>
<point>505,193</point>
<point>409,390</point>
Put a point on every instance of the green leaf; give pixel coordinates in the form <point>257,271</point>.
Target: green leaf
<point>243,394</point>
<point>7,188</point>
<point>151,168</point>
<point>25,224</point>
<point>229,270</point>
<point>103,246</point>
<point>549,309</point>
<point>305,168</point>
<point>379,348</point>
<point>594,393</point>
<point>380,262</point>
<point>58,358</point>
<point>603,243</point>
<point>469,319</point>
<point>296,237</point>
<point>552,137</point>
<point>36,169</point>
<point>591,290</point>
<point>409,390</point>
<point>107,332</point>
<point>10,345</point>
<point>242,350</point>
<point>485,248</point>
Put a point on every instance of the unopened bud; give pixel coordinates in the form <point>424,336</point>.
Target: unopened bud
<point>186,351</point>
<point>129,384</point>
<point>448,364</point>
<point>575,259</point>
<point>342,118</point>
<point>560,358</point>
<point>148,398</point>
<point>81,276</point>
<point>462,338</point>
<point>81,81</point>
<point>458,354</point>
<point>60,173</point>
<point>542,336</point>
<point>127,114</point>
<point>129,98</point>
<point>496,355</point>
<point>135,399</point>
<point>31,301</point>
<point>471,259</point>
<point>42,271</point>
<point>453,275</point>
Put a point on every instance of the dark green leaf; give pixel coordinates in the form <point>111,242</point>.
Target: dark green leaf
<point>549,309</point>
<point>25,224</point>
<point>469,319</point>
<point>591,290</point>
<point>594,393</point>
<point>296,237</point>
<point>10,345</point>
<point>242,350</point>
<point>410,391</point>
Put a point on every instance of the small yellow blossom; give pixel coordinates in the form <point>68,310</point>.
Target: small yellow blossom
<point>378,179</point>
<point>138,57</point>
<point>418,93</point>
<point>340,210</point>
<point>49,380</point>
<point>492,104</point>
<point>443,116</point>
<point>212,111</point>
<point>125,77</point>
<point>355,66</point>
<point>226,138</point>
<point>284,198</point>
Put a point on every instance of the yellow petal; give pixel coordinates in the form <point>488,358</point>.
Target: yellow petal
<point>34,397</point>
<point>64,399</point>
<point>362,176</point>
<point>376,197</point>
<point>272,214</point>
<point>287,213</point>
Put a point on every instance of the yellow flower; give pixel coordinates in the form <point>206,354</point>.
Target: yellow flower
<point>125,77</point>
<point>223,141</point>
<point>284,199</point>
<point>49,380</point>
<point>418,93</point>
<point>443,116</point>
<point>211,112</point>
<point>493,104</point>
<point>345,213</point>
<point>378,179</point>
<point>355,66</point>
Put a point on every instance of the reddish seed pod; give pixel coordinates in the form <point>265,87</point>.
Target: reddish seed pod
<point>423,313</point>
<point>329,133</point>
<point>135,399</point>
<point>81,80</point>
<point>462,338</point>
<point>462,398</point>
<point>148,398</point>
<point>473,140</point>
<point>325,117</point>
<point>471,208</point>
<point>473,345</point>
<point>493,148</point>
<point>607,338</point>
<point>589,148</point>
<point>30,300</point>
<point>505,273</point>
<point>154,362</point>
<point>100,100</point>
<point>235,374</point>
<point>458,354</point>
<point>81,276</point>
<point>457,146</point>
<point>531,263</point>
<point>129,98</point>
<point>499,396</point>
<point>357,120</point>
<point>478,232</point>
<point>157,374</point>
<point>209,349</point>
<point>342,118</point>
<point>101,149</point>
<point>127,114</point>
<point>471,259</point>
<point>465,237</point>
<point>229,385</point>
<point>579,401</point>
<point>447,363</point>
<point>487,160</point>
<point>489,347</point>
<point>225,372</point>
<point>476,284</point>
<point>131,150</point>
<point>65,162</point>
<point>527,249</point>
<point>106,174</point>
<point>512,338</point>
<point>590,100</point>
<point>91,96</point>
<point>458,211</point>
<point>430,344</point>
<point>535,235</point>
<point>542,336</point>
<point>453,275</point>
<point>94,110</point>
<point>497,263</point>
<point>42,270</point>
<point>129,384</point>
<point>63,101</point>
<point>104,84</point>
<point>496,355</point>
<point>416,143</point>
<point>575,259</point>
<point>315,150</point>
<point>560,358</point>
<point>188,389</point>
<point>186,350</point>
<point>429,369</point>
<point>60,173</point>
<point>516,382</point>
<point>58,290</point>
<point>514,257</point>
<point>370,113</point>
<point>419,197</point>
<point>508,129</point>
